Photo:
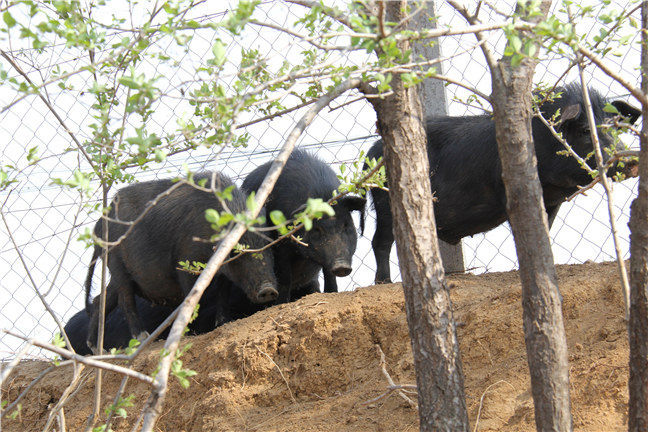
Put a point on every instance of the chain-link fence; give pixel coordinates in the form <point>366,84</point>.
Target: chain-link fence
<point>39,249</point>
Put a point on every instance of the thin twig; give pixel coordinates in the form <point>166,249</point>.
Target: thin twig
<point>605,181</point>
<point>89,361</point>
<point>383,367</point>
<point>50,107</point>
<point>9,408</point>
<point>634,90</point>
<point>613,159</point>
<point>31,279</point>
<point>280,373</point>
<point>389,390</point>
<point>132,224</point>
<point>63,399</point>
<point>111,413</point>
<point>61,420</point>
<point>481,400</point>
<point>472,19</point>
<point>6,370</point>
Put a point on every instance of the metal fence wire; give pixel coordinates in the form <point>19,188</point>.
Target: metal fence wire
<point>45,219</point>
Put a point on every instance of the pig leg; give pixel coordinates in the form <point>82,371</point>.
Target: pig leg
<point>330,282</point>
<point>552,212</point>
<point>283,273</point>
<point>93,326</point>
<point>383,237</point>
<point>126,290</point>
<point>310,288</point>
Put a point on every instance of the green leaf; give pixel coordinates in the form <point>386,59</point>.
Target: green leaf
<point>212,215</point>
<point>318,207</point>
<point>308,223</point>
<point>251,202</point>
<point>516,43</point>
<point>530,49</point>
<point>277,217</point>
<point>130,82</point>
<point>58,340</point>
<point>15,412</point>
<point>226,193</point>
<point>160,155</point>
<point>609,108</point>
<point>8,19</point>
<point>31,155</point>
<point>219,52</point>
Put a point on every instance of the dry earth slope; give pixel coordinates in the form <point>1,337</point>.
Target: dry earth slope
<point>313,365</point>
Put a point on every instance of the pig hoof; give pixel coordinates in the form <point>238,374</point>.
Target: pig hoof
<point>267,294</point>
<point>142,336</point>
<point>93,348</point>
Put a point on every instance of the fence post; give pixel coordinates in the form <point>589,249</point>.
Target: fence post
<point>433,99</point>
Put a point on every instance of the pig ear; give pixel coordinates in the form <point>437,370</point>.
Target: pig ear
<point>570,112</point>
<point>353,203</point>
<point>627,110</point>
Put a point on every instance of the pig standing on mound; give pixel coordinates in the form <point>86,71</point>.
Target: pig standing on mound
<point>145,262</point>
<point>331,242</point>
<point>466,173</point>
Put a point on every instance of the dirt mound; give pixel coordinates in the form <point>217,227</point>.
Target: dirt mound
<point>312,365</point>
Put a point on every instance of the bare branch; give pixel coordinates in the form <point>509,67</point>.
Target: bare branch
<point>9,408</point>
<point>132,224</point>
<point>472,19</point>
<point>50,107</point>
<point>604,179</point>
<point>332,13</point>
<point>64,397</point>
<point>392,386</point>
<point>6,369</point>
<point>634,90</point>
<point>31,279</point>
<point>481,400</point>
<point>89,361</point>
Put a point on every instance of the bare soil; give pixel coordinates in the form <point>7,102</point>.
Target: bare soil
<point>314,364</point>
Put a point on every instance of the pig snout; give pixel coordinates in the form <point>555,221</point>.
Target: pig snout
<point>341,268</point>
<point>267,293</point>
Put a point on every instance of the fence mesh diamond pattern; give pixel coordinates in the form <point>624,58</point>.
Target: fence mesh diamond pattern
<point>38,246</point>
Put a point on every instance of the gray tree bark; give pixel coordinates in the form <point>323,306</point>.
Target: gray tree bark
<point>638,324</point>
<point>433,101</point>
<point>439,374</point>
<point>544,332</point>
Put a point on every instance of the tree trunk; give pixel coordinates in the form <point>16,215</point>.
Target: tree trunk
<point>638,325</point>
<point>439,374</point>
<point>433,101</point>
<point>544,333</point>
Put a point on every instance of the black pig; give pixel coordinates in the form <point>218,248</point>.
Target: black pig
<point>221,302</point>
<point>466,173</point>
<point>145,263</point>
<point>331,241</point>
